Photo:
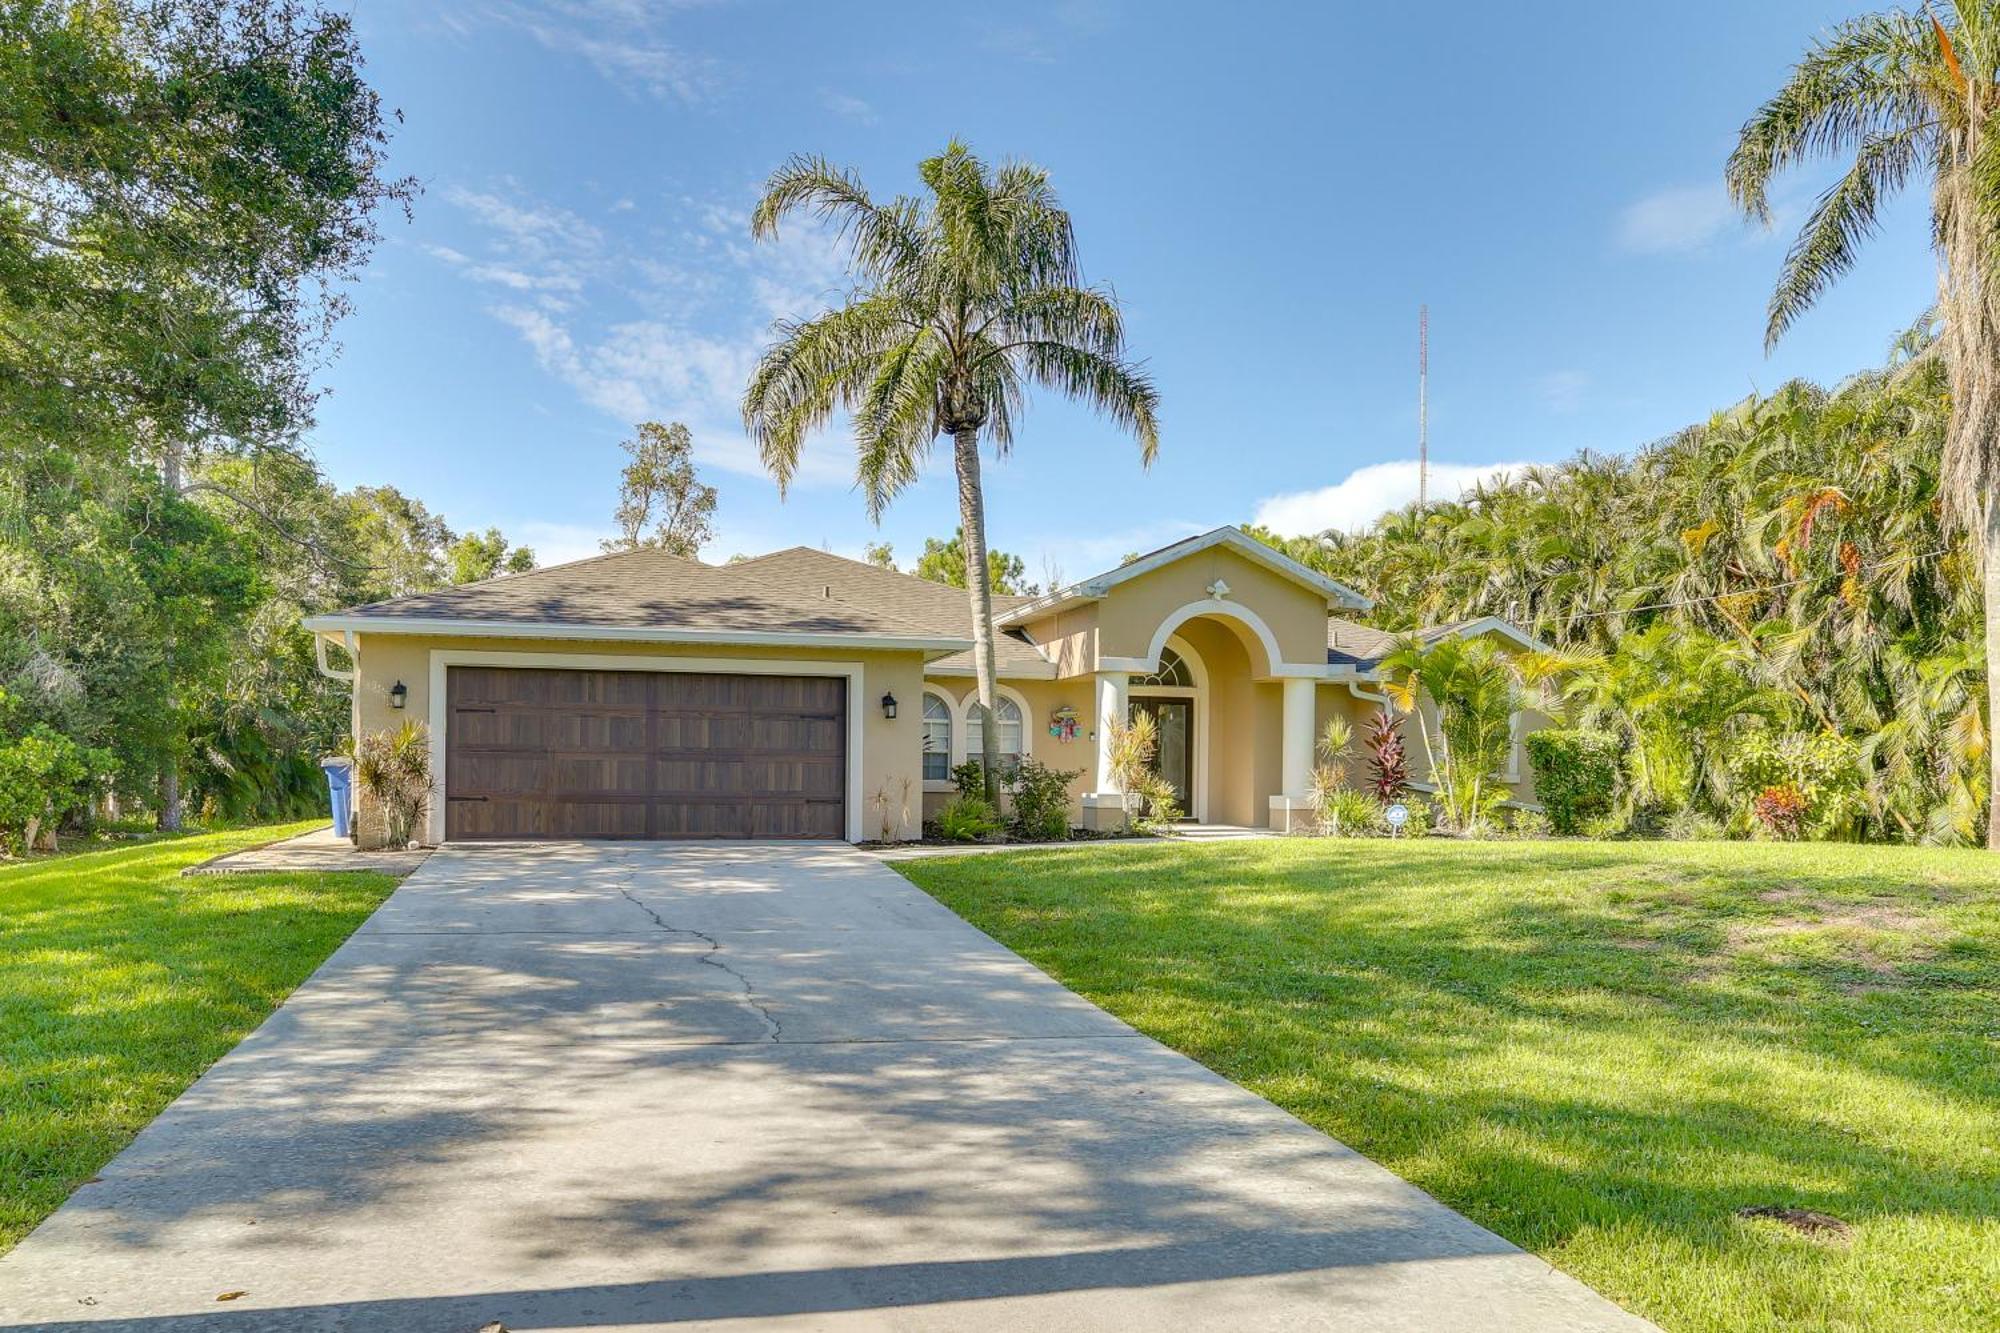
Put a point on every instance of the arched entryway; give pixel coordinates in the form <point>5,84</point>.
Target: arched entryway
<point>1249,717</point>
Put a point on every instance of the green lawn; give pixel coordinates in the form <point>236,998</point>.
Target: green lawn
<point>120,982</point>
<point>1601,1051</point>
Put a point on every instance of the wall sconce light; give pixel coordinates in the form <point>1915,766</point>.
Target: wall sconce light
<point>889,707</point>
<point>399,694</point>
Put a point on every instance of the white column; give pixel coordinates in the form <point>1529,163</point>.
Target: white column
<point>1111,705</point>
<point>1301,695</point>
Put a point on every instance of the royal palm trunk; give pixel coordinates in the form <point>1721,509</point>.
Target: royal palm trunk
<point>979,587</point>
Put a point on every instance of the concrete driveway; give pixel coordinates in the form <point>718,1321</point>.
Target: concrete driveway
<point>629,1087</point>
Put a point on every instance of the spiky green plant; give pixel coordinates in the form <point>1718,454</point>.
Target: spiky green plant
<point>968,295</point>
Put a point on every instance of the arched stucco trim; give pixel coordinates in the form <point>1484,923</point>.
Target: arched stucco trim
<point>961,712</point>
<point>1220,610</point>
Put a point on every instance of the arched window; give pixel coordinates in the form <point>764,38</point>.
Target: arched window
<point>1011,738</point>
<point>937,738</point>
<point>1173,671</point>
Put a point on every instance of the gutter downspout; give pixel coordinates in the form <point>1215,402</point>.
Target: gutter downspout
<point>319,653</point>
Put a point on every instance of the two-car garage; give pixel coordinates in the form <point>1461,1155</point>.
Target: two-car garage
<point>543,752</point>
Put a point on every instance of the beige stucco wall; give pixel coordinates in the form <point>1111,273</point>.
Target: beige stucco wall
<point>1068,638</point>
<point>1041,698</point>
<point>1133,611</point>
<point>890,751</point>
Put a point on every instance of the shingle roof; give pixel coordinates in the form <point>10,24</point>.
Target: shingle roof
<point>939,608</point>
<point>651,590</point>
<point>1349,644</point>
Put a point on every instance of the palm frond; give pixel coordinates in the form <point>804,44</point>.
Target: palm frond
<point>1120,390</point>
<point>1845,215</point>
<point>813,368</point>
<point>881,240</point>
<point>1866,79</point>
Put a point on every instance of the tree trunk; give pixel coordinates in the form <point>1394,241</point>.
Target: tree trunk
<point>168,819</point>
<point>1989,564</point>
<point>978,585</point>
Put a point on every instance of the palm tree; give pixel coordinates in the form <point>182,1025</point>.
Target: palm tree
<point>1475,691</point>
<point>1906,94</point>
<point>969,295</point>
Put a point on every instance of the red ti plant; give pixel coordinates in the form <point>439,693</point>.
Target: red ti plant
<point>1388,765</point>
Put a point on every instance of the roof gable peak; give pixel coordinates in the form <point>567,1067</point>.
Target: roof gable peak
<point>1338,595</point>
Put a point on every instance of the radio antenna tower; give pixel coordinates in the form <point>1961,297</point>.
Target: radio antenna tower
<point>1423,407</point>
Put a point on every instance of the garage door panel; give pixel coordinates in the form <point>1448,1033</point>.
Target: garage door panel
<point>496,817</point>
<point>701,818</point>
<point>800,819</point>
<point>494,773</point>
<point>596,731</point>
<point>695,691</point>
<point>600,819</point>
<point>622,754</point>
<point>598,775</point>
<point>703,732</point>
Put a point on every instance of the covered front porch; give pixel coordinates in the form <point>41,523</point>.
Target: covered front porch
<point>1237,724</point>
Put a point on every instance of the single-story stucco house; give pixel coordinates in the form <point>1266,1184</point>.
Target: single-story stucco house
<point>803,695</point>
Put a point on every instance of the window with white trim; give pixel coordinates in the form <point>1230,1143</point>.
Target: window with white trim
<point>937,739</point>
<point>1011,737</point>
<point>1173,672</point>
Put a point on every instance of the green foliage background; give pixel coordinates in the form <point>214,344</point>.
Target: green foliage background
<point>1782,566</point>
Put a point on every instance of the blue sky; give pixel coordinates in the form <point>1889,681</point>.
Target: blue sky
<point>1271,190</point>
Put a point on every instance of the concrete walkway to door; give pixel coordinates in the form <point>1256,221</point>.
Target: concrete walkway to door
<point>649,1086</point>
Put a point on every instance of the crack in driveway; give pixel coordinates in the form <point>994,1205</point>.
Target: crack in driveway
<point>774,1029</point>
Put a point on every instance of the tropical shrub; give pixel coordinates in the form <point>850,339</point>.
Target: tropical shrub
<point>970,778</point>
<point>968,818</point>
<point>1527,824</point>
<point>1159,804</point>
<point>1781,810</point>
<point>1041,800</point>
<point>1423,818</point>
<point>394,769</point>
<point>1129,747</point>
<point>1576,775</point>
<point>1612,824</point>
<point>1476,690</point>
<point>1691,825</point>
<point>1801,785</point>
<point>44,778</point>
<point>1388,763</point>
<point>1347,813</point>
<point>1334,745</point>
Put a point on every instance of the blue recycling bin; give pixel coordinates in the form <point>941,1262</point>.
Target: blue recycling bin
<point>340,790</point>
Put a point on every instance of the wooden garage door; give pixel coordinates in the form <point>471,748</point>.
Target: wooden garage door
<point>533,753</point>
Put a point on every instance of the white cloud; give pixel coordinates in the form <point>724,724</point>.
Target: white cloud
<point>625,41</point>
<point>1563,390</point>
<point>841,104</point>
<point>1365,494</point>
<point>1676,220</point>
<point>531,246</point>
<point>667,328</point>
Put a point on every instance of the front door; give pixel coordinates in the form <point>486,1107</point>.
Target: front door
<point>1174,760</point>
